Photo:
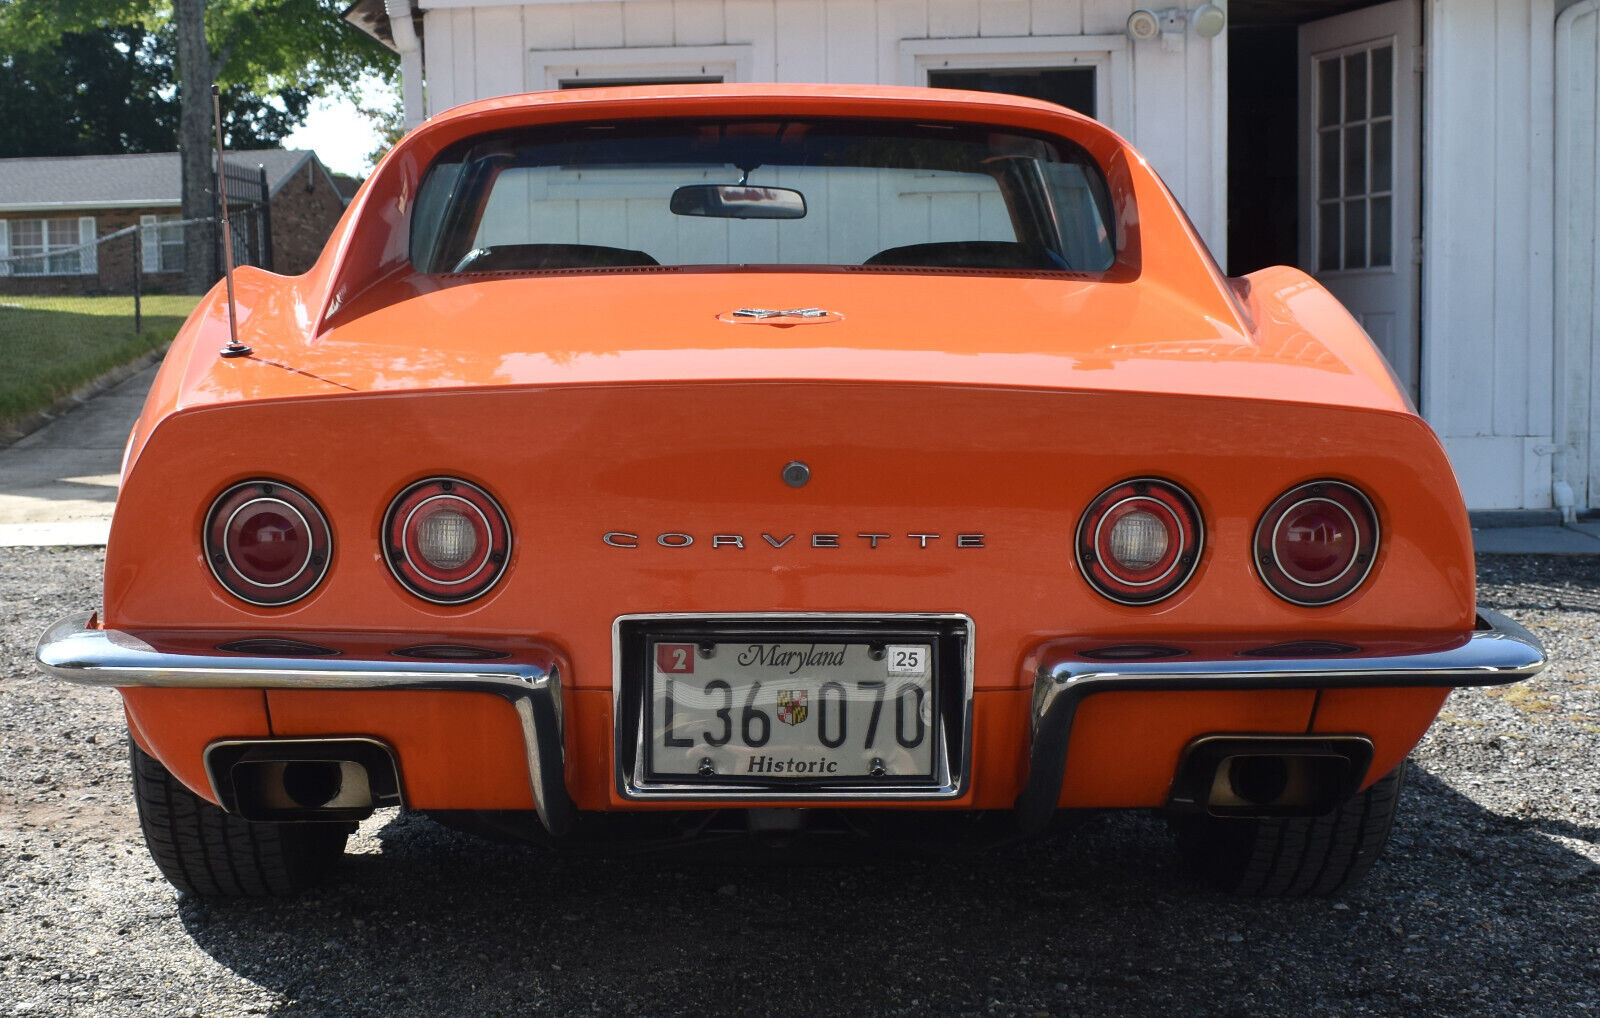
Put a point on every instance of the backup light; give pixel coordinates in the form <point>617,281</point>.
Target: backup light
<point>1140,541</point>
<point>446,540</point>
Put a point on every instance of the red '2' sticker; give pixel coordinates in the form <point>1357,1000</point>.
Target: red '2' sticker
<point>675,658</point>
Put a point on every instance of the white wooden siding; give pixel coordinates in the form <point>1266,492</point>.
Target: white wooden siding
<point>1488,333</point>
<point>1170,103</point>
<point>1577,289</point>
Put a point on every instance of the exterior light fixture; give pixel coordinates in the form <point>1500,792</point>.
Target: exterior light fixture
<point>1209,20</point>
<point>1143,25</point>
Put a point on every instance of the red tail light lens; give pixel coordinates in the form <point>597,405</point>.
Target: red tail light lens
<point>1317,542</point>
<point>267,543</point>
<point>1140,541</point>
<point>446,540</point>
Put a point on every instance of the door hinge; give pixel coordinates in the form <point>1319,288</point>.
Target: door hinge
<point>1416,250</point>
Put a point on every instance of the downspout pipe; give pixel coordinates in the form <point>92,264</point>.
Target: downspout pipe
<point>409,46</point>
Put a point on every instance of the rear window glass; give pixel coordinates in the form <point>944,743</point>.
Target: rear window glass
<point>763,192</point>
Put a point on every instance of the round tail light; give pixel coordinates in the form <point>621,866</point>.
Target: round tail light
<point>446,540</point>
<point>267,543</point>
<point>1317,542</point>
<point>1140,541</point>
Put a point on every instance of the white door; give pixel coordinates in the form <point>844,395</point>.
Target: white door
<point>1360,170</point>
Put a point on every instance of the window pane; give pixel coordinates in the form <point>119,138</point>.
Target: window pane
<point>1072,87</point>
<point>1355,160</point>
<point>1084,239</point>
<point>1328,164</point>
<point>27,236</point>
<point>1355,87</point>
<point>1383,155</point>
<point>1327,92</point>
<point>63,232</point>
<point>1382,232</point>
<point>1328,237</point>
<point>171,258</point>
<point>883,193</point>
<point>1382,81</point>
<point>1355,234</point>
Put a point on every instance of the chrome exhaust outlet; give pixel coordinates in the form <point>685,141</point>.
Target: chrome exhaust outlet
<point>1269,775</point>
<point>303,779</point>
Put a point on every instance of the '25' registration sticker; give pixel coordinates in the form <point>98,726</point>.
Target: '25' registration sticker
<point>675,658</point>
<point>907,660</point>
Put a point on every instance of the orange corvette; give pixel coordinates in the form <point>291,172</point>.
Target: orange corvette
<point>777,455</point>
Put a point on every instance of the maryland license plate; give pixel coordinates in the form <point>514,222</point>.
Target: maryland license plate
<point>801,711</point>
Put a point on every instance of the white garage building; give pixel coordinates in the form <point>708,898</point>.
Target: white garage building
<point>1434,162</point>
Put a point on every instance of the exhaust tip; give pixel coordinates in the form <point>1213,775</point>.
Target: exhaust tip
<point>1269,775</point>
<point>303,779</point>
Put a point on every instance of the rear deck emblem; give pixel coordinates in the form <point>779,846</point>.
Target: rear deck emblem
<point>792,709</point>
<point>784,313</point>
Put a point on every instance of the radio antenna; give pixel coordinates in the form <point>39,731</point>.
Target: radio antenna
<point>234,347</point>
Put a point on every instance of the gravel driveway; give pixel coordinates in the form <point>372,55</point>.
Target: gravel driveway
<point>1488,901</point>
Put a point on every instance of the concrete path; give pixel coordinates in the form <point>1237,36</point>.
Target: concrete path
<point>59,484</point>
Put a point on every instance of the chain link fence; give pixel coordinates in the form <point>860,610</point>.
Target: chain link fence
<point>80,295</point>
<point>70,312</point>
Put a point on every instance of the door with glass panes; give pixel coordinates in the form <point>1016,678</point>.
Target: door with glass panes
<point>1360,170</point>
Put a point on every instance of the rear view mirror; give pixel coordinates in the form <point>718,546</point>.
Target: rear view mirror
<point>738,201</point>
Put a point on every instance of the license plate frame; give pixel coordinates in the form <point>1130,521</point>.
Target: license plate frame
<point>949,637</point>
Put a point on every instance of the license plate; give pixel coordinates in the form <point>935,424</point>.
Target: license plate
<point>791,711</point>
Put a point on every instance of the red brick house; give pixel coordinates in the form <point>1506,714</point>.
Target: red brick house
<point>49,207</point>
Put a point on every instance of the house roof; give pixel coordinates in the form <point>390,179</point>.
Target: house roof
<point>124,181</point>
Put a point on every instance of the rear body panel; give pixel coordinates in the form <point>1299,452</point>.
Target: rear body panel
<point>650,467</point>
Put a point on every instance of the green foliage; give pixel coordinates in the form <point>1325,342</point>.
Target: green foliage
<point>109,91</point>
<point>261,46</point>
<point>98,92</point>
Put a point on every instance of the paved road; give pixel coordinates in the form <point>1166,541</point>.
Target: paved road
<point>59,484</point>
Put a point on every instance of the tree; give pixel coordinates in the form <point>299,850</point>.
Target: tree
<point>112,91</point>
<point>90,93</point>
<point>261,45</point>
<point>389,120</point>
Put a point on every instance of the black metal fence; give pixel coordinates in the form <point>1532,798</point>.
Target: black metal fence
<point>250,217</point>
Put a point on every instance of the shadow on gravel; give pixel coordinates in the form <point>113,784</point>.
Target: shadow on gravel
<point>1469,913</point>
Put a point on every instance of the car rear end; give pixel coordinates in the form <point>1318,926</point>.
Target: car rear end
<point>1025,509</point>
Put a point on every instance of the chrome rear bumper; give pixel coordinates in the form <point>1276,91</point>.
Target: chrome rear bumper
<point>107,657</point>
<point>1496,652</point>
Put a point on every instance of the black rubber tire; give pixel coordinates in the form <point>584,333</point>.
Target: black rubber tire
<point>1294,857</point>
<point>206,851</point>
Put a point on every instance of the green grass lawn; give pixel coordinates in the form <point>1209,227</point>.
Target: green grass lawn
<point>51,345</point>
